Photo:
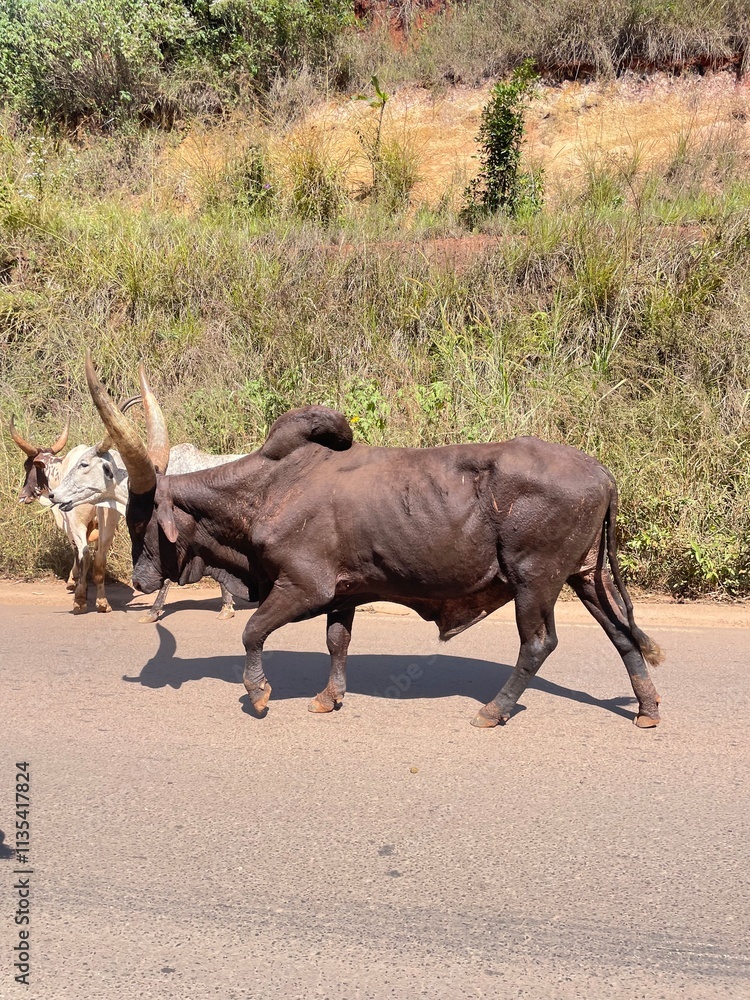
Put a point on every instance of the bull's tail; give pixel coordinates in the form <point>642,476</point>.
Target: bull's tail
<point>652,653</point>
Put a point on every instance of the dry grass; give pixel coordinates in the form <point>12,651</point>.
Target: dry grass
<point>566,39</point>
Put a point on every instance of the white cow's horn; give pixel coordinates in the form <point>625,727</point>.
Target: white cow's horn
<point>141,472</point>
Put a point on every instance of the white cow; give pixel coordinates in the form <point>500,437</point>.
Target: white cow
<point>99,476</point>
<point>84,526</point>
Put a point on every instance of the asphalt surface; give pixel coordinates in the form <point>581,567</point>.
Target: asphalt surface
<point>182,848</point>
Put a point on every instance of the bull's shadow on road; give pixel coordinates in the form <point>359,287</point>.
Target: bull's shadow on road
<point>303,675</point>
<point>211,602</point>
<point>6,852</point>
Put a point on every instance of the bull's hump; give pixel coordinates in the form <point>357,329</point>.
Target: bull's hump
<point>307,425</point>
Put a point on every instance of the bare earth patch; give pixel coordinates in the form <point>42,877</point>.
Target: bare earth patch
<point>630,122</point>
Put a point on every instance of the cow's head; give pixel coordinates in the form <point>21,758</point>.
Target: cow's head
<point>93,479</point>
<point>95,476</point>
<point>158,548</point>
<point>36,481</point>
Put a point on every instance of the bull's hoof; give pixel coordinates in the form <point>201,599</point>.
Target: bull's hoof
<point>260,704</point>
<point>149,618</point>
<point>70,586</point>
<point>79,609</point>
<point>646,722</point>
<point>483,719</point>
<point>103,607</point>
<point>319,707</point>
<point>226,613</point>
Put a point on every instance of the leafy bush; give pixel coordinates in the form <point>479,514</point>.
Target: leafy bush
<point>500,185</point>
<point>103,60</point>
<point>266,38</point>
<point>68,60</point>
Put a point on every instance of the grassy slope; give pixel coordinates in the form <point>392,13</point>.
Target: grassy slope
<point>614,320</point>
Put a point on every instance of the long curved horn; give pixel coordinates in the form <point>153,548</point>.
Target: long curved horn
<point>158,439</point>
<point>105,444</point>
<point>140,468</point>
<point>28,449</point>
<point>63,439</point>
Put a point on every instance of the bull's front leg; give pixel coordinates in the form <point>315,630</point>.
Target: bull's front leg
<point>152,615</point>
<point>338,637</point>
<point>108,520</point>
<point>285,603</point>
<point>227,604</point>
<point>99,572</point>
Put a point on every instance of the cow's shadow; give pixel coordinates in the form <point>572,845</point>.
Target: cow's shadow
<point>302,675</point>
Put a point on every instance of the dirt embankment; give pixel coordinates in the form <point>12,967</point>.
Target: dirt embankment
<point>630,124</point>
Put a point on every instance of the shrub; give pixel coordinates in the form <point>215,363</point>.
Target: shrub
<point>500,185</point>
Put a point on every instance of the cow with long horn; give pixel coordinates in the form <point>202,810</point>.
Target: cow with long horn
<point>100,476</point>
<point>313,524</point>
<point>43,471</point>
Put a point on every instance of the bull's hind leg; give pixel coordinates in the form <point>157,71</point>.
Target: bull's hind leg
<point>338,637</point>
<point>536,627</point>
<point>598,593</point>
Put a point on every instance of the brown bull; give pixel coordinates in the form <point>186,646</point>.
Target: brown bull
<point>313,523</point>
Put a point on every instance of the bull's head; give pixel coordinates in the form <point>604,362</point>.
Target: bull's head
<point>151,514</point>
<point>36,481</point>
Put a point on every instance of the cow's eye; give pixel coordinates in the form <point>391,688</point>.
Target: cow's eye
<point>84,465</point>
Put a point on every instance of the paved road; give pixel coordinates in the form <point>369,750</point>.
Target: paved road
<point>184,849</point>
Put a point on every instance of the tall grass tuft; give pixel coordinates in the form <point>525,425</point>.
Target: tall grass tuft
<point>317,177</point>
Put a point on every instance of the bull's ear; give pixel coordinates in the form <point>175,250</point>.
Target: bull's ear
<point>166,521</point>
